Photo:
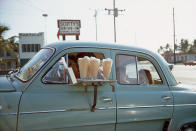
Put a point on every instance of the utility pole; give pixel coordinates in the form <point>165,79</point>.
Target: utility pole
<point>45,16</point>
<point>174,37</point>
<point>115,14</point>
<point>95,15</point>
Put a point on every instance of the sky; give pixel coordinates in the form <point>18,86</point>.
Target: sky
<point>144,23</point>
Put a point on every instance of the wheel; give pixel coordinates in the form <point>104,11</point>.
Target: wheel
<point>188,127</point>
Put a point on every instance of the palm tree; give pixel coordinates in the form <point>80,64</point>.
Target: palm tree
<point>3,29</point>
<point>9,44</point>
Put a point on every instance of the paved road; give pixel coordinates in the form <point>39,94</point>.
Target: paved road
<point>185,74</point>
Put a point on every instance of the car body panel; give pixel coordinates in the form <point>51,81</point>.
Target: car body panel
<point>9,109</point>
<point>6,86</point>
<point>141,104</point>
<point>64,106</point>
<point>184,105</point>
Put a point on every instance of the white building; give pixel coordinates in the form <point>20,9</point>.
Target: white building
<point>184,57</point>
<point>29,45</point>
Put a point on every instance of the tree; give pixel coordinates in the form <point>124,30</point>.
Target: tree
<point>3,29</point>
<point>194,43</point>
<point>165,51</point>
<point>184,46</point>
<point>193,47</point>
<point>9,44</point>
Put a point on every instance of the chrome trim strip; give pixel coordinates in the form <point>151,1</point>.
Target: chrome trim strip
<point>5,114</point>
<point>35,112</point>
<point>63,110</point>
<point>67,110</point>
<point>154,106</point>
<point>185,105</point>
<point>100,108</point>
<point>105,108</point>
<point>52,111</point>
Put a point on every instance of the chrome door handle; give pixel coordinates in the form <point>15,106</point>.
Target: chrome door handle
<point>107,100</point>
<point>166,97</point>
<point>0,107</point>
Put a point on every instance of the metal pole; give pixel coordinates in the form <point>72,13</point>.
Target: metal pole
<point>96,22</point>
<point>45,15</point>
<point>174,38</point>
<point>114,21</point>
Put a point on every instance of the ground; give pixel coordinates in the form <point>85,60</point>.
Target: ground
<point>185,74</point>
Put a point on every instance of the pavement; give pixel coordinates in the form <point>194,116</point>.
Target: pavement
<point>185,74</point>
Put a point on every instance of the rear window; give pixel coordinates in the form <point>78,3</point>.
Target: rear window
<point>134,70</point>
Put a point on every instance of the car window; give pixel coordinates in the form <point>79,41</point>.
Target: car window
<point>147,72</point>
<point>57,73</point>
<point>34,64</point>
<point>136,70</point>
<point>126,69</point>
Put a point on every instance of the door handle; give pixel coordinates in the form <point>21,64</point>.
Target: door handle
<point>0,107</point>
<point>107,100</point>
<point>166,97</point>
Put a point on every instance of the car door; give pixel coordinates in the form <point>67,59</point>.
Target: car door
<point>59,106</point>
<point>141,105</point>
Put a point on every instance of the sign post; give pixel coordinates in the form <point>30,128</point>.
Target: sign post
<point>69,27</point>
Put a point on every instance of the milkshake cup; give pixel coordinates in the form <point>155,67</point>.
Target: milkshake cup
<point>107,65</point>
<point>94,67</point>
<point>83,66</point>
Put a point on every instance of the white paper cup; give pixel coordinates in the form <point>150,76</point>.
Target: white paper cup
<point>83,66</point>
<point>107,65</point>
<point>94,67</point>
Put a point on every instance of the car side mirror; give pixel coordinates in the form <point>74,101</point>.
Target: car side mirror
<point>171,66</point>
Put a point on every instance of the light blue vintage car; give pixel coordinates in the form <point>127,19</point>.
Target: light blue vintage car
<point>140,95</point>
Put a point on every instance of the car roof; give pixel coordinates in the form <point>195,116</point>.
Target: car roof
<point>70,44</point>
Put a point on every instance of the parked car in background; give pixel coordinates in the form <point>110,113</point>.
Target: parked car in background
<point>191,63</point>
<point>143,94</point>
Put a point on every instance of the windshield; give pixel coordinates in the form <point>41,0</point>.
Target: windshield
<point>34,64</point>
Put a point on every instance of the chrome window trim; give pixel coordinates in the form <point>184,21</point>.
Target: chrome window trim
<point>65,55</point>
<point>136,61</point>
<point>54,55</point>
<point>167,82</point>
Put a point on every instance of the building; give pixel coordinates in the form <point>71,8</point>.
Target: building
<point>8,61</point>
<point>183,57</point>
<point>29,45</point>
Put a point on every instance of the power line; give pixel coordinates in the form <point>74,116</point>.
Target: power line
<point>30,4</point>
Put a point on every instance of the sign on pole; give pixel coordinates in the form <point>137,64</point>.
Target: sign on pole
<point>69,27</point>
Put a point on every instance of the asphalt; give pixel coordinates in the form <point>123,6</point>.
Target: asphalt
<point>185,74</point>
